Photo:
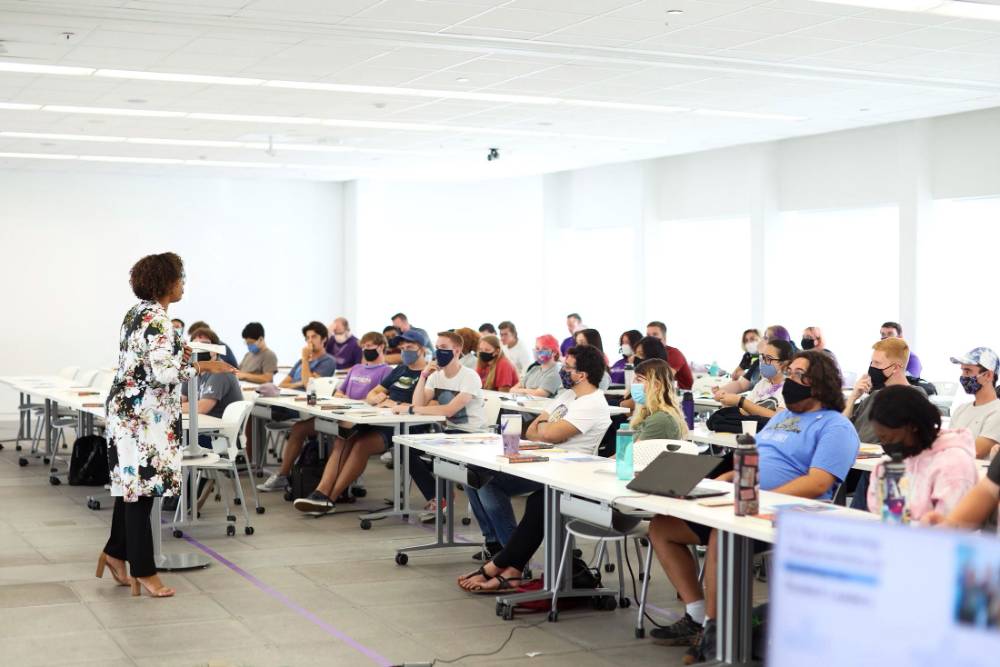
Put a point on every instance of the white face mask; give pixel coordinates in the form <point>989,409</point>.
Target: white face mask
<point>751,347</point>
<point>626,350</point>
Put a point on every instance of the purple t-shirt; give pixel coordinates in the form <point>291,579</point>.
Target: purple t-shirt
<point>913,366</point>
<point>618,372</point>
<point>346,354</point>
<point>362,379</point>
<point>566,344</point>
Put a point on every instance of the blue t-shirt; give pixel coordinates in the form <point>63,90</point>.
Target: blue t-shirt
<point>323,366</point>
<point>792,443</point>
<point>400,383</point>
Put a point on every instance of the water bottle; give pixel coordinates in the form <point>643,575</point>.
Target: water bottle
<point>629,375</point>
<point>687,407</point>
<point>714,369</point>
<point>624,463</point>
<point>510,433</point>
<point>311,392</point>
<point>746,480</point>
<point>892,492</point>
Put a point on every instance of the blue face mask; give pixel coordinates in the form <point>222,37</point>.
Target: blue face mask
<point>409,357</point>
<point>253,347</point>
<point>444,357</point>
<point>567,378</point>
<point>970,383</point>
<point>768,371</point>
<point>638,391</point>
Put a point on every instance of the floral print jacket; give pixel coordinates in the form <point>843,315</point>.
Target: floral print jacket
<point>144,406</point>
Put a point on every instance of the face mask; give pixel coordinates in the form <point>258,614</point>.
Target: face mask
<point>340,338</point>
<point>370,355</point>
<point>254,348</point>
<point>970,384</point>
<point>808,343</point>
<point>567,378</point>
<point>626,350</point>
<point>751,347</point>
<point>486,357</point>
<point>395,341</point>
<point>894,449</point>
<point>637,360</point>
<point>444,357</point>
<point>638,392</point>
<point>180,332</point>
<point>202,356</point>
<point>877,376</point>
<point>543,356</point>
<point>793,392</point>
<point>768,371</point>
<point>409,357</point>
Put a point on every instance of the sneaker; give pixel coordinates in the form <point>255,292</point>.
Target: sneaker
<point>682,633</point>
<point>487,553</point>
<point>427,516</point>
<point>386,458</point>
<point>275,482</point>
<point>704,648</point>
<point>316,503</point>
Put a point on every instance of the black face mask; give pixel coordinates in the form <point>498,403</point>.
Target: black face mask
<point>793,392</point>
<point>202,356</point>
<point>877,376</point>
<point>895,450</point>
<point>370,355</point>
<point>486,357</point>
<point>808,343</point>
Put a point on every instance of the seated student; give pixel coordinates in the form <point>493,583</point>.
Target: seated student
<point>804,451</point>
<point>352,449</point>
<point>401,322</point>
<point>542,377</point>
<point>940,465</point>
<point>228,357</point>
<point>751,344</point>
<point>494,368</point>
<point>895,330</point>
<point>812,339</point>
<point>470,347</point>
<point>978,508</point>
<point>215,390</point>
<point>342,345</point>
<point>178,325</point>
<point>676,358</point>
<point>260,362</point>
<point>392,351</point>
<point>982,417</point>
<point>487,328</point>
<point>658,416</point>
<point>592,337</point>
<point>576,421</point>
<point>626,347</point>
<point>744,382</point>
<point>315,362</point>
<point>765,399</point>
<point>574,323</point>
<point>887,369</point>
<point>514,348</point>
<point>446,388</point>
<point>647,348</point>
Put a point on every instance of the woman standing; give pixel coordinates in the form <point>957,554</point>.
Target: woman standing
<point>144,420</point>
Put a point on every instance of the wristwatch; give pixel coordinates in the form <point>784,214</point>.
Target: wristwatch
<point>740,404</point>
<point>411,410</point>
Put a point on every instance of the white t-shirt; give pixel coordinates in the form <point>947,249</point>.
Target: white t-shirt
<point>466,381</point>
<point>590,415</point>
<point>520,356</point>
<point>982,420</point>
<point>768,394</point>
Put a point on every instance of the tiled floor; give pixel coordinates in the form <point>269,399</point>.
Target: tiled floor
<point>332,591</point>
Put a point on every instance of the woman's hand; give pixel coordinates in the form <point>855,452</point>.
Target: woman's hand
<point>215,367</point>
<point>186,355</point>
<point>727,400</point>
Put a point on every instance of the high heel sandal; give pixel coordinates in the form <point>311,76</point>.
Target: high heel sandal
<point>161,592</point>
<point>102,562</point>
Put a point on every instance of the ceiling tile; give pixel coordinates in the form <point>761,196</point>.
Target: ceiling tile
<point>768,20</point>
<point>614,28</point>
<point>535,22</point>
<point>421,11</point>
<point>792,45</point>
<point>705,37</point>
<point>936,38</point>
<point>856,30</point>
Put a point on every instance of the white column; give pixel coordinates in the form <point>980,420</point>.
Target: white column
<point>763,210</point>
<point>915,203</point>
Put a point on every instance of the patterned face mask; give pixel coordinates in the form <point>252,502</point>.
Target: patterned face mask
<point>970,384</point>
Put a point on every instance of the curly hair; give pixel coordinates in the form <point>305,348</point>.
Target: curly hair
<point>903,405</point>
<point>470,339</point>
<point>824,379</point>
<point>153,276</point>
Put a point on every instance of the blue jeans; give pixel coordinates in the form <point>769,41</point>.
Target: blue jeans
<point>492,506</point>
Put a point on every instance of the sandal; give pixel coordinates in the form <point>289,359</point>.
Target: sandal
<point>505,585</point>
<point>480,572</point>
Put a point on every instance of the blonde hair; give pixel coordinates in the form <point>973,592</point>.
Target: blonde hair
<point>894,348</point>
<point>661,396</point>
<point>493,342</point>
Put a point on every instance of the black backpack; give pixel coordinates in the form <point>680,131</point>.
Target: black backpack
<point>88,464</point>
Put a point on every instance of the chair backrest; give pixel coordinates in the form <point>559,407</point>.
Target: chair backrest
<point>68,372</point>
<point>850,378</point>
<point>86,377</point>
<point>234,421</point>
<point>946,387</point>
<point>644,451</point>
<point>103,381</point>
<point>491,409</point>
<point>325,386</point>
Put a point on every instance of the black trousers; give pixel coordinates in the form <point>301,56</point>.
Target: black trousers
<point>527,537</point>
<point>132,536</point>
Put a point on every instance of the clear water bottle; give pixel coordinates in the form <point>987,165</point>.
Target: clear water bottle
<point>687,407</point>
<point>746,478</point>
<point>892,491</point>
<point>624,461</point>
<point>311,392</point>
<point>629,376</point>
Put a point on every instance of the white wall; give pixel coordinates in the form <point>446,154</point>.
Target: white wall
<point>253,250</point>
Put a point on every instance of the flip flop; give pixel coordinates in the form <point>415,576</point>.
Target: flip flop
<point>481,571</point>
<point>505,585</point>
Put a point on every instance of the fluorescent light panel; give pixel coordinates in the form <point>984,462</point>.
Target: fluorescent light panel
<point>62,70</point>
<point>111,111</point>
<point>181,78</point>
<point>15,106</point>
<point>167,161</point>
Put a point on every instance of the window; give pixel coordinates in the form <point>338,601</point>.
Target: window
<point>838,270</point>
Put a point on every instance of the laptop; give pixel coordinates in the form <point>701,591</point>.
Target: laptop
<point>676,476</point>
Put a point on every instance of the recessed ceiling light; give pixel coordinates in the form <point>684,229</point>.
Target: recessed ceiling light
<point>136,100</point>
<point>462,79</point>
<point>675,11</point>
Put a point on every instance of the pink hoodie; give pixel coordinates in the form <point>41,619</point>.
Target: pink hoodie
<point>938,477</point>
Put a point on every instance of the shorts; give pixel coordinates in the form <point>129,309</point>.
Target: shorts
<point>704,531</point>
<point>387,431</point>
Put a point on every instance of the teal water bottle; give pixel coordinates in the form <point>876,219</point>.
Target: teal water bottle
<point>623,452</point>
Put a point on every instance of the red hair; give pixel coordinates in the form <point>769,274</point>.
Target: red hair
<point>548,342</point>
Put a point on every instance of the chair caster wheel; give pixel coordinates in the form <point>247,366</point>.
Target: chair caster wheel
<point>609,567</point>
<point>508,613</point>
<point>53,469</point>
<point>279,459</point>
<point>644,542</point>
<point>289,496</point>
<point>640,633</point>
<point>178,534</point>
<point>17,448</point>
<point>624,603</point>
<point>248,530</point>
<point>260,510</point>
<point>499,608</point>
<point>22,462</point>
<point>231,517</point>
<point>406,517</point>
<point>553,616</point>
<point>93,504</point>
<point>46,460</point>
<point>466,521</point>
<point>230,531</point>
<point>259,474</point>
<point>402,559</point>
<point>359,492</point>
<point>54,481</point>
<point>609,603</point>
<point>237,501</point>
<point>365,524</point>
<point>642,576</point>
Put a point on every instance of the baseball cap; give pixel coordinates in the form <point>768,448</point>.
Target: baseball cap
<point>415,336</point>
<point>982,356</point>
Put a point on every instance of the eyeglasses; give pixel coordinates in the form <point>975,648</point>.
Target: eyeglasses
<point>569,369</point>
<point>799,376</point>
<point>768,359</point>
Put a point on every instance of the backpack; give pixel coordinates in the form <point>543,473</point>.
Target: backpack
<point>730,420</point>
<point>88,463</point>
<point>583,577</point>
